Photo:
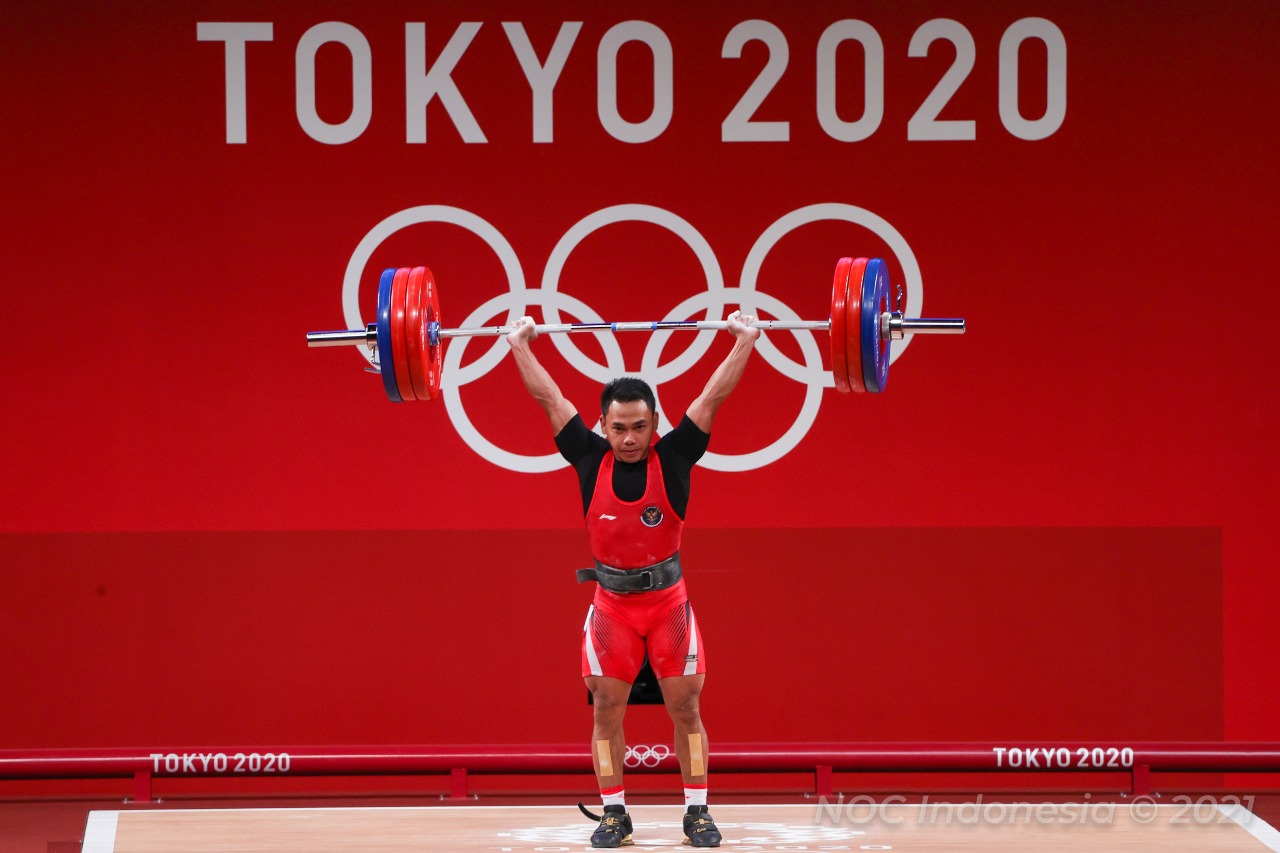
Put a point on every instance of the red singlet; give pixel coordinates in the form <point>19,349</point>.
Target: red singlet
<point>632,535</point>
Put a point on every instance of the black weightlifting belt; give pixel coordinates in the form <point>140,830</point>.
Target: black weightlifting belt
<point>658,576</point>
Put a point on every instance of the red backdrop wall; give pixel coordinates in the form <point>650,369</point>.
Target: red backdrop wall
<point>1058,526</point>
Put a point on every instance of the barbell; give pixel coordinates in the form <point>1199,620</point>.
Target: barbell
<point>408,340</point>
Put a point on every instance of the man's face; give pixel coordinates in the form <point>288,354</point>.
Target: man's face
<point>629,428</point>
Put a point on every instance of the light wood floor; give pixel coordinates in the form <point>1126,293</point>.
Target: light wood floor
<point>1043,828</point>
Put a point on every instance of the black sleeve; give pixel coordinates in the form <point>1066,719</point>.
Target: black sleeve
<point>582,449</point>
<point>678,451</point>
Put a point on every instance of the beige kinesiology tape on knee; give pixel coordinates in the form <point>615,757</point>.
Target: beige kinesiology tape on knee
<point>603,758</point>
<point>697,758</point>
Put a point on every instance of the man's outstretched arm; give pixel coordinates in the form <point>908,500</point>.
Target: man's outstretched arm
<point>702,411</point>
<point>536,379</point>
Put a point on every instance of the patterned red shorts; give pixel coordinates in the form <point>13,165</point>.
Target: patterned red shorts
<point>620,629</point>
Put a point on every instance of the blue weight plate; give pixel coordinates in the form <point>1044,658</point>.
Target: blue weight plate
<point>386,358</point>
<point>875,347</point>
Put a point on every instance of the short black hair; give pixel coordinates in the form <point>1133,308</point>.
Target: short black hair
<point>627,389</point>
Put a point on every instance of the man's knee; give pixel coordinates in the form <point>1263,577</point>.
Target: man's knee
<point>681,698</point>
<point>609,699</point>
<point>607,704</point>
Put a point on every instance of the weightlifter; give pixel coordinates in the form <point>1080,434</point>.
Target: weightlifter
<point>635,490</point>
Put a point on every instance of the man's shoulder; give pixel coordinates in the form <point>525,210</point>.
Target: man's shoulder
<point>576,442</point>
<point>686,432</point>
<point>686,440</point>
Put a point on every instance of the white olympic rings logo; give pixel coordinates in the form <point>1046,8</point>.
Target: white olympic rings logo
<point>715,300</point>
<point>646,756</point>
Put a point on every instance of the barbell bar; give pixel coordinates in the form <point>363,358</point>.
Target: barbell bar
<point>408,337</point>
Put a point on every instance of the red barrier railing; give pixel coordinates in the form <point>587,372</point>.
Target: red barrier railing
<point>822,759</point>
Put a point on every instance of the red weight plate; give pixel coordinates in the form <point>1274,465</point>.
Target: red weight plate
<point>839,297</point>
<point>853,326</point>
<point>414,338</point>
<point>434,361</point>
<point>399,352</point>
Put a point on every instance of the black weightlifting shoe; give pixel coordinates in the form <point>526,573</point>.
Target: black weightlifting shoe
<point>614,829</point>
<point>699,829</point>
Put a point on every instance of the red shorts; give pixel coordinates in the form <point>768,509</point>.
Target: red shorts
<point>620,629</point>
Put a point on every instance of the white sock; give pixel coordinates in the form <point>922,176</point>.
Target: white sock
<point>614,797</point>
<point>695,796</point>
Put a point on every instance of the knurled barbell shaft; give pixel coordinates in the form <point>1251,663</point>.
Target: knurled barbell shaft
<point>893,323</point>
<point>658,326</point>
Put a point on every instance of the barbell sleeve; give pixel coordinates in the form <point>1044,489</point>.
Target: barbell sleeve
<point>344,337</point>
<point>898,327</point>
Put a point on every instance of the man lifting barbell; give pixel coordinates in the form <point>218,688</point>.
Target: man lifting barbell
<point>635,491</point>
